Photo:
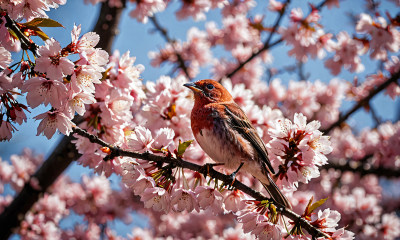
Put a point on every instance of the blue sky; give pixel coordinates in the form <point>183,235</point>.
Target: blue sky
<point>139,39</point>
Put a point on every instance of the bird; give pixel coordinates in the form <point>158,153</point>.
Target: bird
<point>226,135</point>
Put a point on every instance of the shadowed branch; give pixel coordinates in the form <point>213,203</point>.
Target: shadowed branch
<point>363,102</point>
<point>178,162</point>
<point>171,41</point>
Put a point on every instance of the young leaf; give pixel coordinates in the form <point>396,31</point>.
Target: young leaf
<point>42,35</point>
<point>182,146</point>
<point>43,22</point>
<point>317,204</point>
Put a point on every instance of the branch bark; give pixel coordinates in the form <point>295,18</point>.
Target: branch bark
<point>364,169</point>
<point>178,162</point>
<point>65,152</point>
<point>26,43</point>
<point>163,31</point>
<point>58,161</point>
<point>107,24</point>
<point>363,102</point>
<point>267,43</point>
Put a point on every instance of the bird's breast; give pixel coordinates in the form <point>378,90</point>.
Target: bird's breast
<point>217,147</point>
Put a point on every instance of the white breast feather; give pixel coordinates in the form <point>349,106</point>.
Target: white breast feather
<point>217,149</point>
<point>220,152</point>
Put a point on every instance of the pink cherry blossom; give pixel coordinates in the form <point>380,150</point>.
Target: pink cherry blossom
<point>384,38</point>
<point>5,57</point>
<point>51,62</point>
<point>42,90</point>
<point>84,79</point>
<point>77,104</point>
<point>164,138</point>
<point>183,199</point>
<point>6,130</point>
<point>237,7</point>
<point>309,147</point>
<point>266,230</point>
<point>195,9</point>
<point>147,8</point>
<point>140,139</point>
<point>156,198</point>
<point>53,120</point>
<point>347,54</point>
<point>275,5</point>
<point>6,39</point>
<point>209,197</point>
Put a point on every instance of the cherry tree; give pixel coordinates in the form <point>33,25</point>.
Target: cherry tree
<point>339,175</point>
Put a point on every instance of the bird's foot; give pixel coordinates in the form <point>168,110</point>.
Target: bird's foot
<point>231,178</point>
<point>205,169</point>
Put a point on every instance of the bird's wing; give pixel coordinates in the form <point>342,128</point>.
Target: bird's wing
<point>239,121</point>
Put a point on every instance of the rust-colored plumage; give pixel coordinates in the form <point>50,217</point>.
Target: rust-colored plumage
<point>225,133</point>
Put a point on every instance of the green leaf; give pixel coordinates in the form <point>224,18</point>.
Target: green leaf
<point>12,33</point>
<point>317,204</point>
<point>182,146</point>
<point>41,34</point>
<point>43,22</point>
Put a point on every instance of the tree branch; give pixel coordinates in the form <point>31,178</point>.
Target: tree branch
<point>65,152</point>
<point>107,24</point>
<point>163,31</point>
<point>58,161</point>
<point>178,162</point>
<point>364,169</point>
<point>363,102</point>
<point>26,43</point>
<point>268,44</point>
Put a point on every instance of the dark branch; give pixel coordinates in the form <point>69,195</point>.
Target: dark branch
<point>363,102</point>
<point>364,169</point>
<point>59,160</point>
<point>65,152</point>
<point>26,43</point>
<point>107,24</point>
<point>267,44</point>
<point>171,41</point>
<point>178,162</point>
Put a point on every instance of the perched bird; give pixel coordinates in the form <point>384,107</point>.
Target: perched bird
<point>225,133</point>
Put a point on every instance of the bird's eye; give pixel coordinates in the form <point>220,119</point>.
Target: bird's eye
<point>210,86</point>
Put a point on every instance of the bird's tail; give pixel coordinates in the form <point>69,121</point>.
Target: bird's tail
<point>276,194</point>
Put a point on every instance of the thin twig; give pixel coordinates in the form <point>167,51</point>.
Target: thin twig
<point>363,102</point>
<point>107,24</point>
<point>26,43</point>
<point>178,162</point>
<point>267,44</point>
<point>364,169</point>
<point>57,162</point>
<point>375,116</point>
<point>171,41</point>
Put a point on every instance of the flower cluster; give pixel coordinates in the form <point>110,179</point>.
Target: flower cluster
<point>298,148</point>
<point>153,118</point>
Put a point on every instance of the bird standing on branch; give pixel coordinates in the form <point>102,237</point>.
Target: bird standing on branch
<point>225,133</point>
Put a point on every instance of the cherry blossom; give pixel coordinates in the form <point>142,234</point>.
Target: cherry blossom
<point>182,200</point>
<point>137,113</point>
<point>384,37</point>
<point>301,147</point>
<point>42,90</point>
<point>51,62</point>
<point>53,120</point>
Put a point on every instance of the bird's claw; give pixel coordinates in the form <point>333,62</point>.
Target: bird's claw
<point>232,177</point>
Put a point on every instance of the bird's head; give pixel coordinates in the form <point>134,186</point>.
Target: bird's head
<point>208,91</point>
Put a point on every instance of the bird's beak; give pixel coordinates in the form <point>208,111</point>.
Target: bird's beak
<point>193,87</point>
